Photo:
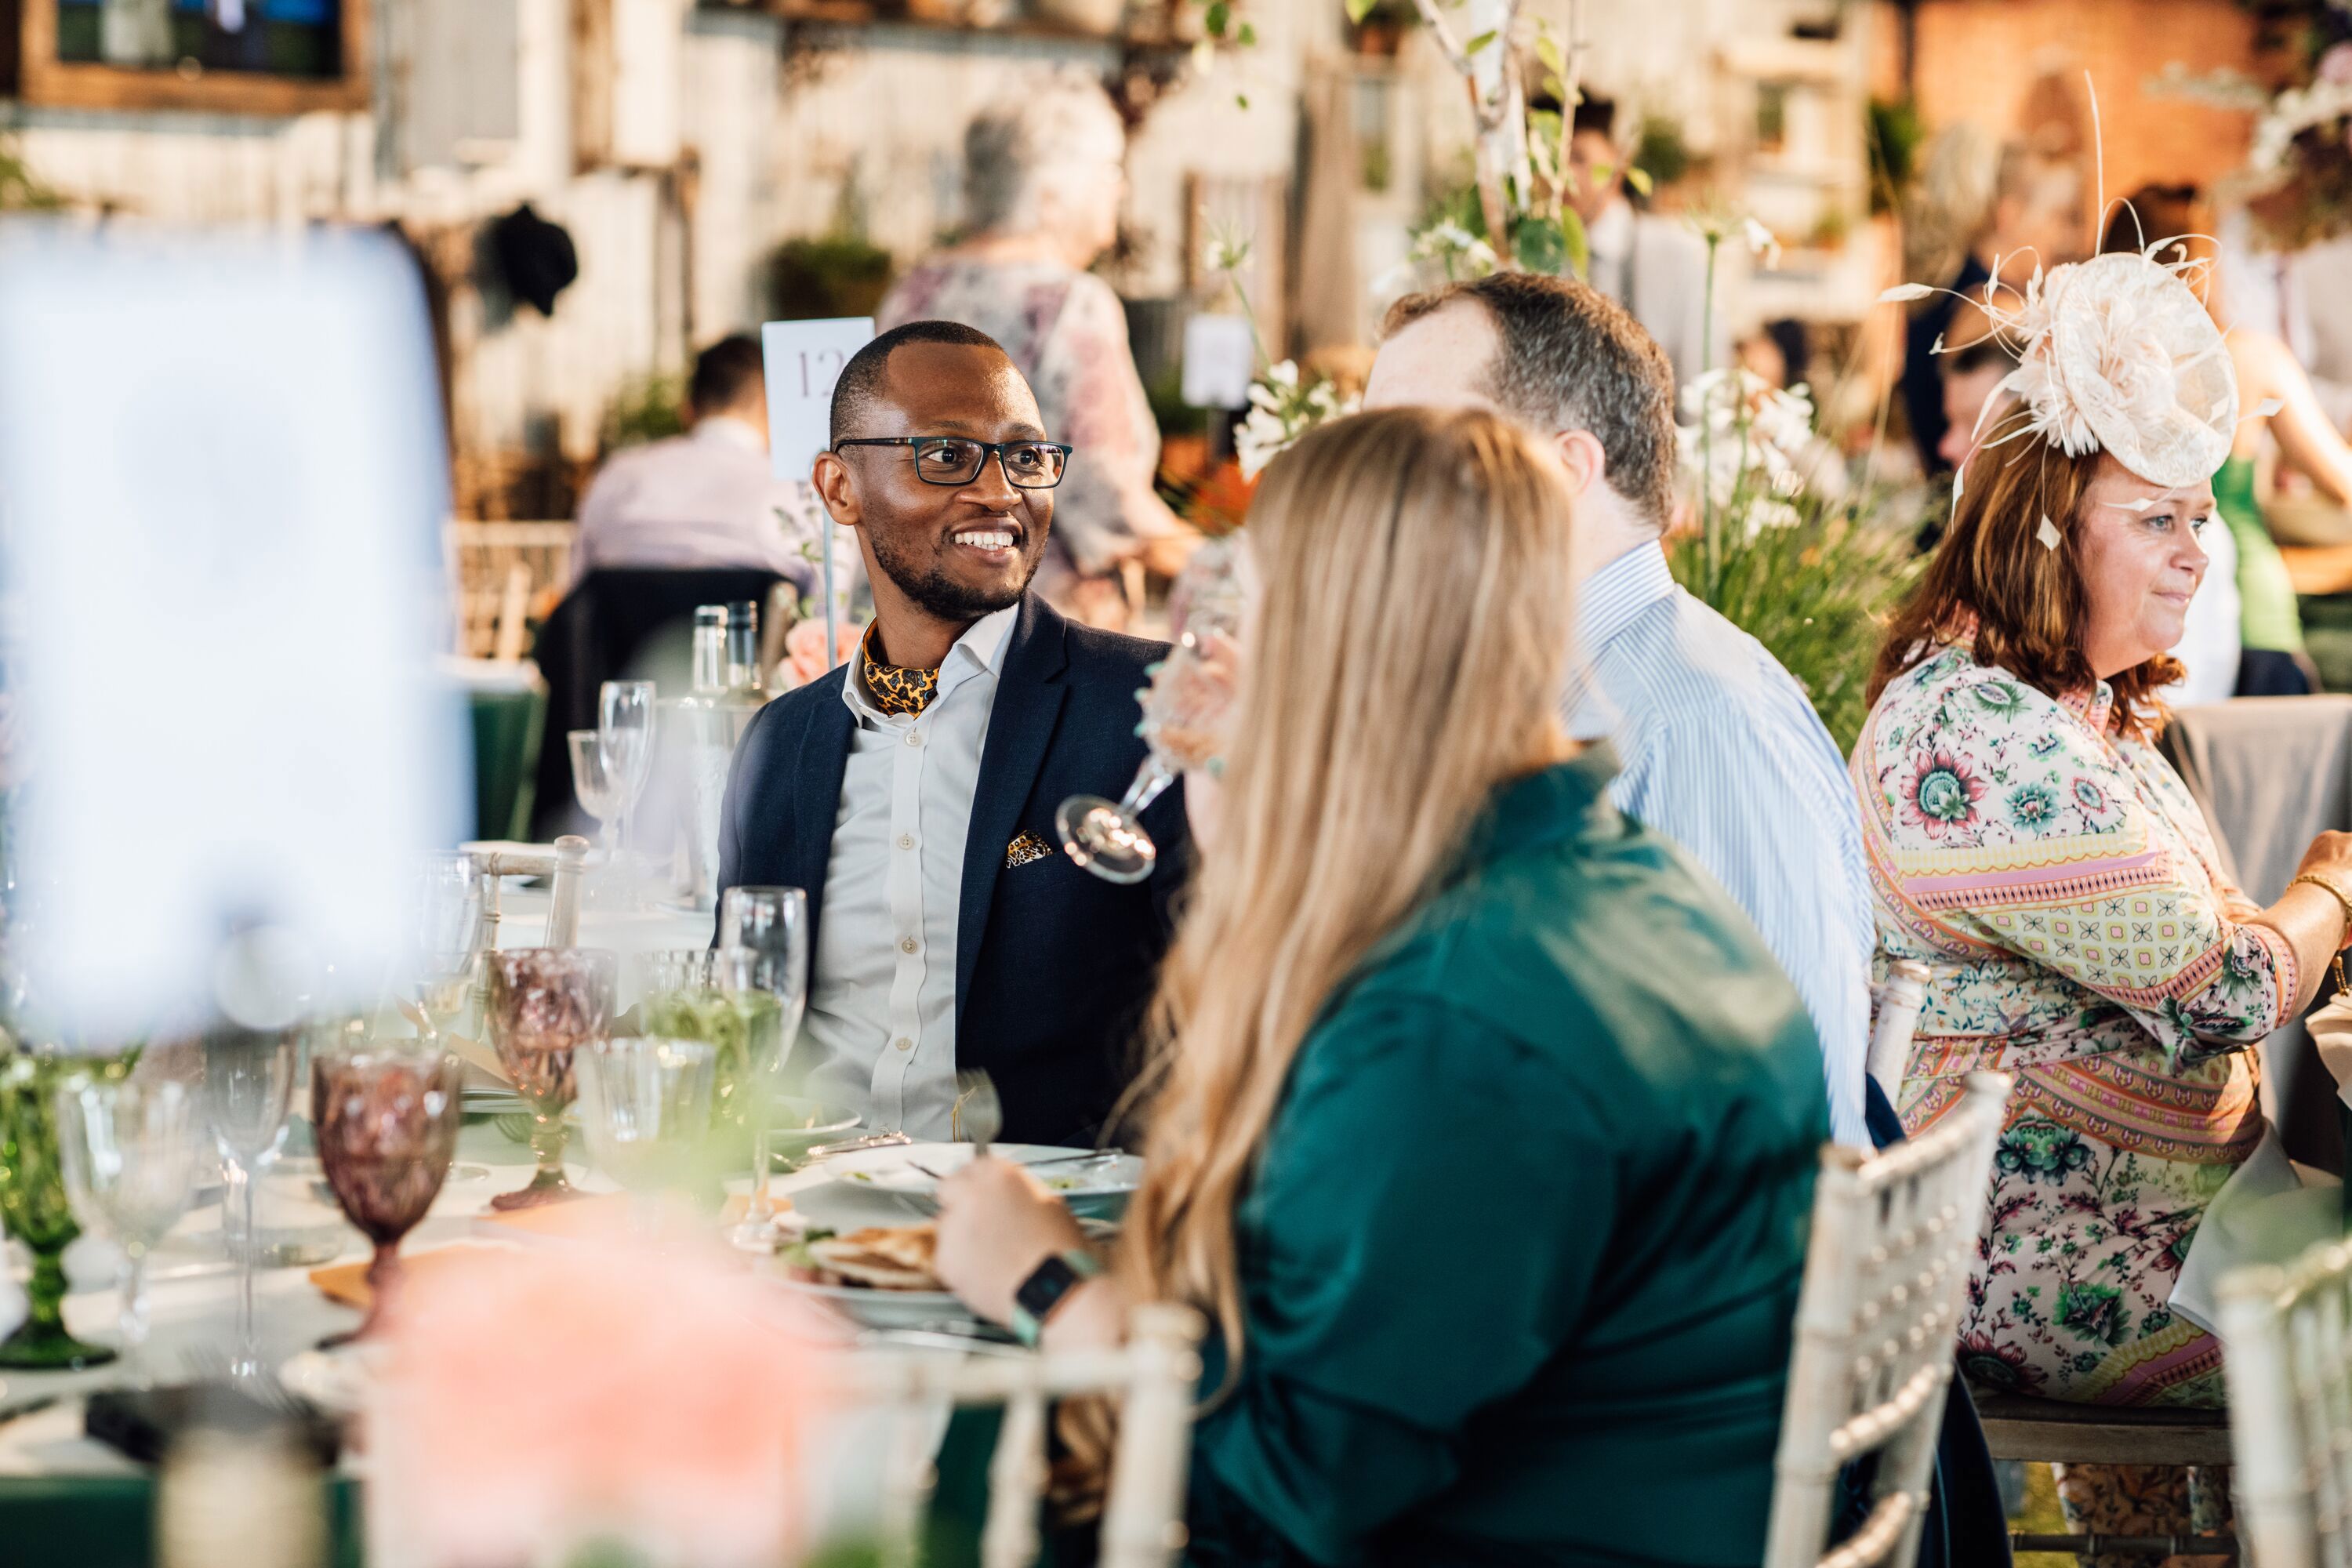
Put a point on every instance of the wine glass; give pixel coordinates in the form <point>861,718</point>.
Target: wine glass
<point>387,1111</point>
<point>624,738</point>
<point>131,1151</point>
<point>1182,713</point>
<point>774,923</point>
<point>598,797</point>
<point>770,925</point>
<point>249,1089</point>
<point>717,997</point>
<point>645,1104</point>
<point>545,1005</point>
<point>444,935</point>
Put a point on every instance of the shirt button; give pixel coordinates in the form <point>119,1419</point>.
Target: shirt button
<point>914,737</point>
<point>907,945</point>
<point>906,841</point>
<point>903,1043</point>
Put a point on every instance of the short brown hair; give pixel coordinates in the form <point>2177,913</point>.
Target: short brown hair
<point>2024,599</point>
<point>1573,359</point>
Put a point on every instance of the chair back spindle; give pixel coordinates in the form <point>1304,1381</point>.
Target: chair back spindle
<point>1152,1377</point>
<point>1877,1316</point>
<point>2287,1335</point>
<point>1899,1000</point>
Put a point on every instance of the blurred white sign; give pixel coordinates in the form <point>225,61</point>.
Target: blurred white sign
<point>1220,362</point>
<point>224,480</point>
<point>803,360</point>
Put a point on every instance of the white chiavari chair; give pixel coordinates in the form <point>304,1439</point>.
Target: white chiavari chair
<point>1896,1019</point>
<point>2287,1339</point>
<point>564,867</point>
<point>1151,1377</point>
<point>1893,1238</point>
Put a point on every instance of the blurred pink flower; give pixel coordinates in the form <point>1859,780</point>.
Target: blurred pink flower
<point>2336,65</point>
<point>557,1393</point>
<point>804,658</point>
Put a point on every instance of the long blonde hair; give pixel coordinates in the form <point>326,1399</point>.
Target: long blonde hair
<point>1408,655</point>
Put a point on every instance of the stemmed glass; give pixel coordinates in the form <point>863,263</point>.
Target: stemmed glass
<point>1182,713</point>
<point>717,997</point>
<point>131,1150</point>
<point>771,924</point>
<point>598,797</point>
<point>387,1113</point>
<point>546,1004</point>
<point>624,739</point>
<point>249,1089</point>
<point>444,935</point>
<point>645,1104</point>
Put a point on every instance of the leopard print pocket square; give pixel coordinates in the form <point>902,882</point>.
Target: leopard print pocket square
<point>1026,847</point>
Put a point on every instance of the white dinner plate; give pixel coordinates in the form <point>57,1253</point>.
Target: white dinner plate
<point>912,1168</point>
<point>884,1308</point>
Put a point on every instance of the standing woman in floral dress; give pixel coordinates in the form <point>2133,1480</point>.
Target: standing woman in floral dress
<point>2030,846</point>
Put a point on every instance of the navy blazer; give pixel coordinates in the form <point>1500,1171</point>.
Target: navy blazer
<point>1054,965</point>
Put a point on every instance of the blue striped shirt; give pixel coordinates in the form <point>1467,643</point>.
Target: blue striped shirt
<point>1722,754</point>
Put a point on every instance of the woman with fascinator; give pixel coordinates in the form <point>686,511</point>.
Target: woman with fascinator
<point>2030,846</point>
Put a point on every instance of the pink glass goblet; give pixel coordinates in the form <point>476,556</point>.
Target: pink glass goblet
<point>545,1005</point>
<point>387,1114</point>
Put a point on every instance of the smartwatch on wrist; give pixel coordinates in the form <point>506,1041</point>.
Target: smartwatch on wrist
<point>1048,1285</point>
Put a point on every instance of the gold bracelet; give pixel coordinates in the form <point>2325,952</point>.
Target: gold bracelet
<point>2332,886</point>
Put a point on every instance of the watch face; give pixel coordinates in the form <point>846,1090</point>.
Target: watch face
<point>1044,1289</point>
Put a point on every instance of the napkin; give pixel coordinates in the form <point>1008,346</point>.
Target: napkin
<point>2331,1031</point>
<point>345,1284</point>
<point>2269,1211</point>
<point>595,1217</point>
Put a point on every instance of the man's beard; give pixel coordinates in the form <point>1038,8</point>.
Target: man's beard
<point>936,594</point>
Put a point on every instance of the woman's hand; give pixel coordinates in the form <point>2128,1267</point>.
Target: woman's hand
<point>2330,856</point>
<point>997,1222</point>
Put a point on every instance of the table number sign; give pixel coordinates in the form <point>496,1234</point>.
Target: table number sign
<point>224,482</point>
<point>803,360</point>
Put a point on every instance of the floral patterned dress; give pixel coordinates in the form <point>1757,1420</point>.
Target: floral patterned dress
<point>2064,894</point>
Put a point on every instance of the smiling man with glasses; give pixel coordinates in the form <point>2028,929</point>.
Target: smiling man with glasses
<point>913,791</point>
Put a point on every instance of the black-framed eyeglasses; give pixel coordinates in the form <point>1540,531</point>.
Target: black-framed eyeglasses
<point>958,459</point>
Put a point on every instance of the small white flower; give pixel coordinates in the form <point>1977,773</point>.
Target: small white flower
<point>1762,243</point>
<point>1226,254</point>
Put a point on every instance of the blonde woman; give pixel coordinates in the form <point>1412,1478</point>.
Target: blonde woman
<point>1481,1125</point>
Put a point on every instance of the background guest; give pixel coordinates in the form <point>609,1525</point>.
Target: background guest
<point>1721,750</point>
<point>1390,946</point>
<point>1654,266</point>
<point>1044,176</point>
<point>1979,204</point>
<point>2036,853</point>
<point>704,499</point>
<point>2273,663</point>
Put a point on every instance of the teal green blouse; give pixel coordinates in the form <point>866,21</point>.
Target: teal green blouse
<point>1521,1258</point>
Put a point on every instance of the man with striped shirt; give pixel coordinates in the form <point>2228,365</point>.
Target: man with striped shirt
<point>1721,750</point>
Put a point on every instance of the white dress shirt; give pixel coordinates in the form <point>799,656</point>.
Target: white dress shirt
<point>880,1036</point>
<point>705,498</point>
<point>1722,754</point>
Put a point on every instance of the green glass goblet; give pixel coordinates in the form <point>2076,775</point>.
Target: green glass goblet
<point>32,1204</point>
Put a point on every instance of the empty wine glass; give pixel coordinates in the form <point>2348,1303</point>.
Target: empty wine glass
<point>131,1151</point>
<point>645,1104</point>
<point>598,797</point>
<point>249,1089</point>
<point>444,935</point>
<point>547,1003</point>
<point>1184,712</point>
<point>624,736</point>
<point>387,1113</point>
